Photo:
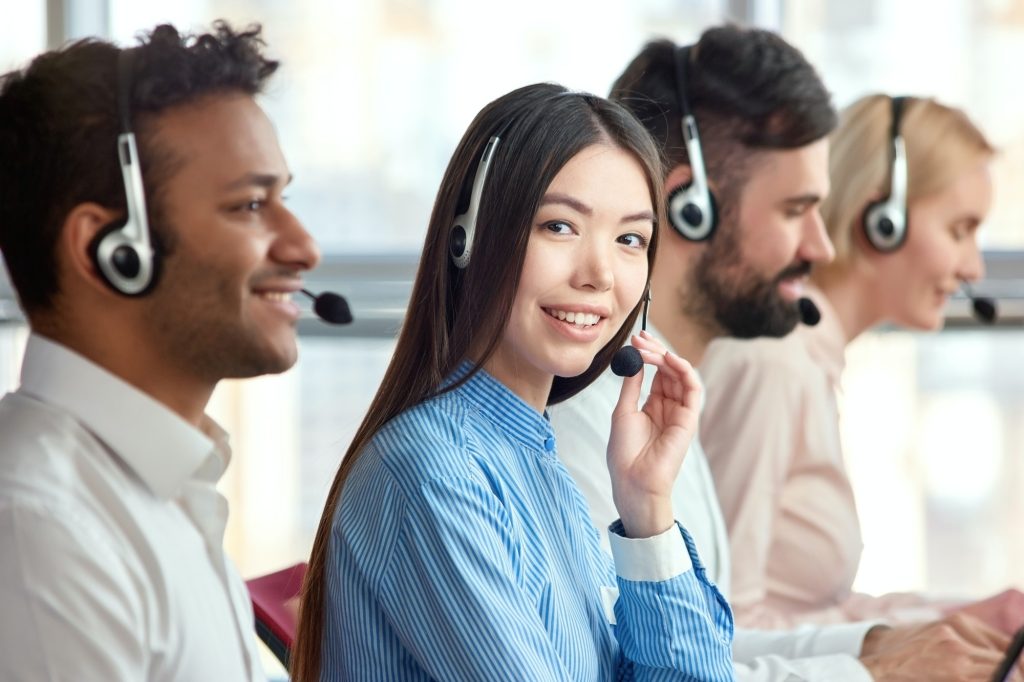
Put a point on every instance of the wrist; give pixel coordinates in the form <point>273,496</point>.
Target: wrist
<point>873,640</point>
<point>646,520</point>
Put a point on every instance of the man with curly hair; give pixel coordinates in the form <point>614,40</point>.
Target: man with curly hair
<point>143,225</point>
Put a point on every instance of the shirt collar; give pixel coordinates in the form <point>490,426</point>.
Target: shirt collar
<point>507,411</point>
<point>159,446</point>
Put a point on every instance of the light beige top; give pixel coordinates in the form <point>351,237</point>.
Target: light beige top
<point>771,433</point>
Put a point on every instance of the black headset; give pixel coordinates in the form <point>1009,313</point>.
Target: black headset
<point>463,229</point>
<point>885,221</point>
<point>123,252</point>
<point>692,209</point>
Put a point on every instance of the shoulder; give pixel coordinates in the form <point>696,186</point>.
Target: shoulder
<point>29,422</point>
<point>61,490</point>
<point>58,562</point>
<point>764,356</point>
<point>43,452</point>
<point>441,439</point>
<point>754,387</point>
<point>440,427</point>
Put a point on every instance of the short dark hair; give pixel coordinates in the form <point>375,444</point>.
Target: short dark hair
<point>748,89</point>
<point>59,124</point>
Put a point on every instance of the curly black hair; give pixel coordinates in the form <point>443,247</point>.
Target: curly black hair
<point>59,124</point>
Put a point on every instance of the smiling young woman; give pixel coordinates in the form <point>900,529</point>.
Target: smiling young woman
<point>454,544</point>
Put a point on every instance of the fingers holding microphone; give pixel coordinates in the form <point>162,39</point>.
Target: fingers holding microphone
<point>647,446</point>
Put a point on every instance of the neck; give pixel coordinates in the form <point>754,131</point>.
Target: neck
<point>686,331</point>
<point>137,365</point>
<point>687,337</point>
<point>532,387</point>
<point>855,306</point>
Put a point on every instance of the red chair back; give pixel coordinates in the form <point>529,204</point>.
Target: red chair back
<point>275,603</point>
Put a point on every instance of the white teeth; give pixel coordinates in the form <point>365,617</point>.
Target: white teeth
<point>275,296</point>
<point>578,319</point>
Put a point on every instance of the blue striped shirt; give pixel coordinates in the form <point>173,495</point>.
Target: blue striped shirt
<point>462,550</point>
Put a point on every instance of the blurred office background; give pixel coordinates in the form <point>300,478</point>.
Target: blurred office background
<point>369,104</point>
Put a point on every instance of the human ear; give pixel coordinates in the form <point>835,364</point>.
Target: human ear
<point>81,226</point>
<point>679,176</point>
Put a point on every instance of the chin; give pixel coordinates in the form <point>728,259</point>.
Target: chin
<point>271,359</point>
<point>573,368</point>
<point>930,322</point>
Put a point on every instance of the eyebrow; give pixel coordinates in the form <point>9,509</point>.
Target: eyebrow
<point>970,220</point>
<point>580,207</point>
<point>803,200</point>
<point>265,180</point>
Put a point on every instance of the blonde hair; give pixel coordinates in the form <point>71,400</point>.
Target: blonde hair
<point>941,142</point>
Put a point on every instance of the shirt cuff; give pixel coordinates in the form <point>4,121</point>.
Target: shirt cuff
<point>652,559</point>
<point>836,667</point>
<point>847,638</point>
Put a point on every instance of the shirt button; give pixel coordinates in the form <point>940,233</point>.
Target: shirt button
<point>549,444</point>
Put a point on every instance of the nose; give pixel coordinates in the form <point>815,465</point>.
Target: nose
<point>593,267</point>
<point>815,245</point>
<point>293,245</point>
<point>972,264</point>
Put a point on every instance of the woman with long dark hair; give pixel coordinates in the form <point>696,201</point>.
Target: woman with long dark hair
<point>454,545</point>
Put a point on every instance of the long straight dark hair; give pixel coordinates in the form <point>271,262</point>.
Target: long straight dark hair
<point>453,313</point>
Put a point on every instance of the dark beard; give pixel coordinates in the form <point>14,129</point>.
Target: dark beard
<point>737,300</point>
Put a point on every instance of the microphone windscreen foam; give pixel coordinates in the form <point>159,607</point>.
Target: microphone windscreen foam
<point>809,313</point>
<point>984,309</point>
<point>332,308</point>
<point>627,361</point>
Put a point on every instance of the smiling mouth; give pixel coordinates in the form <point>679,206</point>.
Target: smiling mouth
<point>581,320</point>
<point>275,296</point>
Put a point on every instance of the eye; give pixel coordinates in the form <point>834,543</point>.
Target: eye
<point>960,232</point>
<point>249,205</point>
<point>558,227</point>
<point>633,240</point>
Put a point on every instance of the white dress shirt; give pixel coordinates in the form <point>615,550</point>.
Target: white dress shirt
<point>582,427</point>
<point>111,530</point>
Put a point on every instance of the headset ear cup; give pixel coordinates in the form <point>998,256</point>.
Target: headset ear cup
<point>120,264</point>
<point>884,226</point>
<point>686,216</point>
<point>714,213</point>
<point>94,251</point>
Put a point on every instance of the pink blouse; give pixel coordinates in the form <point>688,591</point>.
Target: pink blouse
<point>771,432</point>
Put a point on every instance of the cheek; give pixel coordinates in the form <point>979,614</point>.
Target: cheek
<point>932,255</point>
<point>630,282</point>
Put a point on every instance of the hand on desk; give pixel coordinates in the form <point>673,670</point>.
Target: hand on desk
<point>958,648</point>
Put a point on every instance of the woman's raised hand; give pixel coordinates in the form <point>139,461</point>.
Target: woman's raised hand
<point>647,446</point>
